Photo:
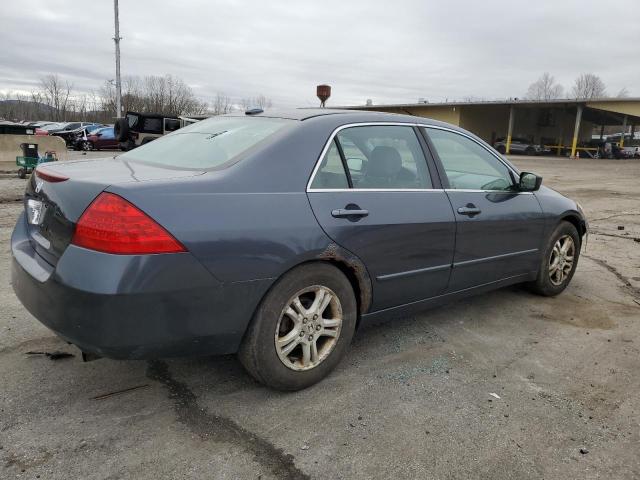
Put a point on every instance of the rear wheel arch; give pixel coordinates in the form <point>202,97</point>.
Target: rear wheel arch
<point>349,265</point>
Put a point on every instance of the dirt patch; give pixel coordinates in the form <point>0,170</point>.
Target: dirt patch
<point>573,310</point>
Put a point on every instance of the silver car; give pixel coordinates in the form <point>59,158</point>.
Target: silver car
<point>518,146</point>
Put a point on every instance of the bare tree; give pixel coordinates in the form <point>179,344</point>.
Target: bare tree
<point>545,88</point>
<point>56,95</point>
<point>258,101</point>
<point>589,85</point>
<point>168,95</point>
<point>221,104</point>
<point>623,93</point>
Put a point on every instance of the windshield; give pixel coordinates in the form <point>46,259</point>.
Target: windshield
<point>208,144</point>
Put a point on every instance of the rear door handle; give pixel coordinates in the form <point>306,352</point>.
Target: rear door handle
<point>469,210</point>
<point>344,212</point>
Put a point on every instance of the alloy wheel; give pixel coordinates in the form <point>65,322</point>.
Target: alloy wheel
<point>308,328</point>
<point>561,259</point>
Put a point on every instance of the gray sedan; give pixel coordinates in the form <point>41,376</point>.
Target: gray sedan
<point>275,235</point>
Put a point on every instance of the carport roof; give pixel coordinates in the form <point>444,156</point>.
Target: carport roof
<point>607,110</point>
<point>512,101</point>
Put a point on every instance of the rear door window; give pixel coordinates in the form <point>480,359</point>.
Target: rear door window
<point>152,125</point>
<point>171,124</point>
<point>331,172</point>
<point>384,157</point>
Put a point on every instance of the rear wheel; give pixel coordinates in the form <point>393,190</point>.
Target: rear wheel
<point>302,328</point>
<point>530,151</point>
<point>501,149</point>
<point>22,173</point>
<point>559,262</point>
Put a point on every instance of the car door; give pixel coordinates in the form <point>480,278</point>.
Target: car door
<point>375,195</point>
<point>499,229</point>
<point>108,138</point>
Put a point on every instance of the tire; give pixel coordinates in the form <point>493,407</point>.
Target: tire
<point>548,283</point>
<point>288,370</point>
<point>530,151</point>
<point>22,173</point>
<point>87,146</point>
<point>501,149</point>
<point>121,129</point>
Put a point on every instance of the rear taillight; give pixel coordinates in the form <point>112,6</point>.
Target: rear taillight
<point>111,224</point>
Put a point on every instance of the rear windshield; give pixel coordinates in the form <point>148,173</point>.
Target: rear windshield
<point>211,143</point>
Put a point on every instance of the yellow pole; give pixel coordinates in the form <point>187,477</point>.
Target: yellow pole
<point>576,131</point>
<point>509,130</point>
<point>624,130</point>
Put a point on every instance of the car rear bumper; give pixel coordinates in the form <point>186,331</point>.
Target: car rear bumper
<point>130,306</point>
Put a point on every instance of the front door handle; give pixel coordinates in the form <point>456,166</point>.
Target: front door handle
<point>470,210</point>
<point>344,212</point>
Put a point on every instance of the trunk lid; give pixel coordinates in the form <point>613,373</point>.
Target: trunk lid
<point>53,207</point>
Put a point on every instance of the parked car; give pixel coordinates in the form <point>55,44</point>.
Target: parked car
<point>630,152</point>
<point>276,235</point>
<point>51,127</point>
<point>518,146</point>
<point>101,139</point>
<point>69,126</point>
<point>76,139</point>
<point>136,129</point>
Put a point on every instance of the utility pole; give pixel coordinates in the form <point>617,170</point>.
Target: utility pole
<point>117,39</point>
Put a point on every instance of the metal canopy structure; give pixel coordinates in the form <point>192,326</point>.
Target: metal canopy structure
<point>562,124</point>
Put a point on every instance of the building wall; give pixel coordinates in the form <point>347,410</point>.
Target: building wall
<point>487,122</point>
<point>492,121</point>
<point>440,113</point>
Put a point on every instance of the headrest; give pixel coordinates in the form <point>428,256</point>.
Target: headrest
<point>384,162</point>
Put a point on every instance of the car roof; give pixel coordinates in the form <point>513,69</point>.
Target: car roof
<point>339,115</point>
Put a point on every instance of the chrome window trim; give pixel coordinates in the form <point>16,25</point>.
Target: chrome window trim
<point>362,124</point>
<point>404,124</point>
<point>471,190</point>
<point>316,190</point>
<point>493,153</point>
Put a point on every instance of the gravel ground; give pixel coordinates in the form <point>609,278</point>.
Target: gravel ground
<point>503,385</point>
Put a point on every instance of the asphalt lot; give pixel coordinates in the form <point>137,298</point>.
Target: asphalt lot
<point>413,399</point>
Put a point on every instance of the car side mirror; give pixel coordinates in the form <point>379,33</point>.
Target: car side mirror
<point>529,182</point>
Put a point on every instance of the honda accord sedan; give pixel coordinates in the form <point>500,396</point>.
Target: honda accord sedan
<point>275,235</point>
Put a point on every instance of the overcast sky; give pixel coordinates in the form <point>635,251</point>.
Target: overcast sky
<point>389,51</point>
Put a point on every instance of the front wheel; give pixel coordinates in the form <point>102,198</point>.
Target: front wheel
<point>302,328</point>
<point>559,262</point>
